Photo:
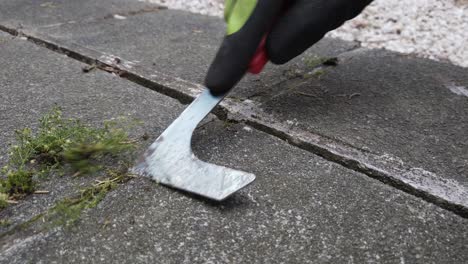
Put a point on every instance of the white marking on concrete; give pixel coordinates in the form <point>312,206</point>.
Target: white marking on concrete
<point>459,90</point>
<point>119,17</point>
<point>248,129</point>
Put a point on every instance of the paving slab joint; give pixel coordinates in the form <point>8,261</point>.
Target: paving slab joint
<point>181,97</point>
<point>361,167</point>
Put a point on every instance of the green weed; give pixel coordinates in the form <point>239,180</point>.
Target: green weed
<point>17,183</point>
<point>317,73</point>
<point>316,61</point>
<point>61,144</point>
<point>3,200</point>
<point>5,223</point>
<point>69,210</point>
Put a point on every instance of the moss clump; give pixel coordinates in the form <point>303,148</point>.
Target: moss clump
<point>3,200</point>
<point>18,182</point>
<point>61,144</point>
<point>317,73</point>
<point>4,223</point>
<point>316,61</point>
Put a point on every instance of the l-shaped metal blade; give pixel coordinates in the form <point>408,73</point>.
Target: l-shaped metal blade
<point>170,160</point>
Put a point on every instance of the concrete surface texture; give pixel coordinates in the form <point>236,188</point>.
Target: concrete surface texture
<point>28,93</point>
<point>363,161</point>
<point>384,110</point>
<point>27,13</point>
<point>304,209</point>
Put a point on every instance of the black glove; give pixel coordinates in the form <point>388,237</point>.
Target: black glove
<point>292,27</point>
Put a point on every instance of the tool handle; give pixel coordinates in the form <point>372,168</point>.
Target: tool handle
<point>260,58</point>
<point>240,51</point>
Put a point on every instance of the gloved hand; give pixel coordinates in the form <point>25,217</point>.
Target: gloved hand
<point>292,27</point>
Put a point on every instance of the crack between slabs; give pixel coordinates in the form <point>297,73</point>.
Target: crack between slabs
<point>229,110</point>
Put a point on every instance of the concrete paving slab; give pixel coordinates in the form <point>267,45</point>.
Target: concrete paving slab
<point>30,14</point>
<point>404,118</point>
<point>388,104</point>
<point>301,209</point>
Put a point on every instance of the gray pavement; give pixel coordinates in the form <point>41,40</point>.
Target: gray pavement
<point>382,115</point>
<point>386,103</point>
<point>183,47</point>
<point>400,119</point>
<point>34,79</point>
<point>301,209</point>
<point>30,14</point>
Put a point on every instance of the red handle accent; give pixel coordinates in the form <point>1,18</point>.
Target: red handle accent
<point>259,59</point>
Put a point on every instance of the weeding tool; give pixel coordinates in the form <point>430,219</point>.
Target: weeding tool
<point>170,160</point>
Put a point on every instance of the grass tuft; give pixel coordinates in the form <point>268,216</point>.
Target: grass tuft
<point>3,200</point>
<point>316,61</point>
<point>61,144</point>
<point>69,210</point>
<point>18,183</point>
<point>5,223</point>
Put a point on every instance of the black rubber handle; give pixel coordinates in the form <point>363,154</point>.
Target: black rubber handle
<point>237,50</point>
